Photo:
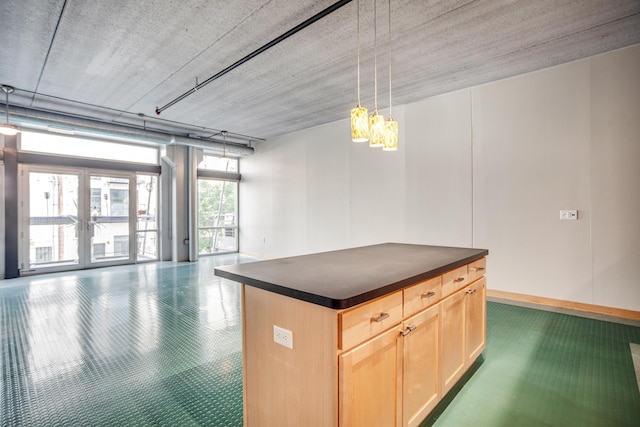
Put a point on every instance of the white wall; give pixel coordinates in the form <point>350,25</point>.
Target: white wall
<point>438,172</point>
<point>615,178</point>
<point>531,159</point>
<point>490,167</point>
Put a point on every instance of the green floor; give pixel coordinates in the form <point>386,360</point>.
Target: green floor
<point>160,344</point>
<point>548,369</point>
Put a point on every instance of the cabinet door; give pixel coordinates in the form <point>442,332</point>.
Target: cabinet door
<point>476,307</point>
<point>421,382</point>
<point>370,381</point>
<point>453,340</point>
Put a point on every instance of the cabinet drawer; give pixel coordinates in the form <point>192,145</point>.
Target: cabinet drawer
<point>477,269</point>
<point>369,319</point>
<point>422,295</point>
<point>454,280</point>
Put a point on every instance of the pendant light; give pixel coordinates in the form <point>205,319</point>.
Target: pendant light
<point>8,129</point>
<point>390,126</point>
<point>376,121</point>
<point>359,115</point>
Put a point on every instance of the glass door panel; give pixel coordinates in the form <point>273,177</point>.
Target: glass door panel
<point>80,218</point>
<point>147,212</point>
<point>109,223</point>
<point>54,220</point>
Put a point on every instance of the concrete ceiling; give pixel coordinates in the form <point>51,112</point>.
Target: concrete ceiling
<point>114,60</point>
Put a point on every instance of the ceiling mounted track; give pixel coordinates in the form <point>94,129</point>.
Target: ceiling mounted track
<point>257,52</point>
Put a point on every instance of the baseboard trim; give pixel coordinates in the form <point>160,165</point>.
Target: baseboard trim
<point>567,305</point>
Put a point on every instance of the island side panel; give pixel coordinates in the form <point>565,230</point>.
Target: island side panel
<point>282,386</point>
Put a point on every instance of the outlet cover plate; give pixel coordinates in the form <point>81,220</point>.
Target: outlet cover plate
<point>282,336</point>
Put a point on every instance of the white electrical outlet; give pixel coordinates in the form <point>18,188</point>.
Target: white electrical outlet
<point>568,214</point>
<point>282,336</point>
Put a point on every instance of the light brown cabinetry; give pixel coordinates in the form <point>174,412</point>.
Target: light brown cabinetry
<point>476,319</point>
<point>440,336</point>
<point>392,379</point>
<point>420,373</point>
<point>369,382</point>
<point>385,362</point>
<point>463,331</point>
<point>367,320</point>
<point>453,326</point>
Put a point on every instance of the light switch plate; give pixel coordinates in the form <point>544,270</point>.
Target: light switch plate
<point>568,214</point>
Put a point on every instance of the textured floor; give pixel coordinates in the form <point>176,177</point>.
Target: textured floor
<point>160,344</point>
<point>548,369</point>
<point>137,345</point>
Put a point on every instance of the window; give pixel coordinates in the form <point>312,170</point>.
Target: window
<point>44,254</point>
<point>121,245</point>
<point>217,216</point>
<point>217,192</point>
<point>119,201</point>
<point>96,201</point>
<point>99,250</point>
<point>217,163</point>
<point>77,147</point>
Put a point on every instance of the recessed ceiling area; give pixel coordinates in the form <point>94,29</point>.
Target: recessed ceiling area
<point>117,61</point>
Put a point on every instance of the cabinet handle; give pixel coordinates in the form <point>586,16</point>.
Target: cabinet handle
<point>471,291</point>
<point>408,330</point>
<point>478,268</point>
<point>380,317</point>
<point>459,279</point>
<point>428,295</point>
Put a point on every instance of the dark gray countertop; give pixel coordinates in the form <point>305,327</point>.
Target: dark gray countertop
<point>344,278</point>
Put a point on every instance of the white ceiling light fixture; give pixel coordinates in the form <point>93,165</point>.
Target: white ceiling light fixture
<point>7,129</point>
<point>360,114</point>
<point>390,126</point>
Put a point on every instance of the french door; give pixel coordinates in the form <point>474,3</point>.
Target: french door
<point>76,218</point>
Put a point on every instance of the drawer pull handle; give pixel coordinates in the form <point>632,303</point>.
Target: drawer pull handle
<point>459,279</point>
<point>478,268</point>
<point>408,330</point>
<point>380,317</point>
<point>428,295</point>
<point>471,291</point>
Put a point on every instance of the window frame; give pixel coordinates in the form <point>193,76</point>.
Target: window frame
<point>216,175</point>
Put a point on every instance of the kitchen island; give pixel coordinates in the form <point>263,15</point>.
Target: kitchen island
<point>369,336</point>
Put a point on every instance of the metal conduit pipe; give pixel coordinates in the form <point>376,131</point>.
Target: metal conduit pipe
<point>318,16</point>
<point>26,118</point>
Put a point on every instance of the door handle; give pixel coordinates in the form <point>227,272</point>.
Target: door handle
<point>408,330</point>
<point>379,318</point>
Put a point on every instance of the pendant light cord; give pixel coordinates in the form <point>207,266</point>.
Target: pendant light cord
<point>375,56</point>
<point>390,60</point>
<point>358,36</point>
<point>6,92</point>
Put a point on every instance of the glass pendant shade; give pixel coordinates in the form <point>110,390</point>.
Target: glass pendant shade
<point>390,135</point>
<point>359,124</point>
<point>376,130</point>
